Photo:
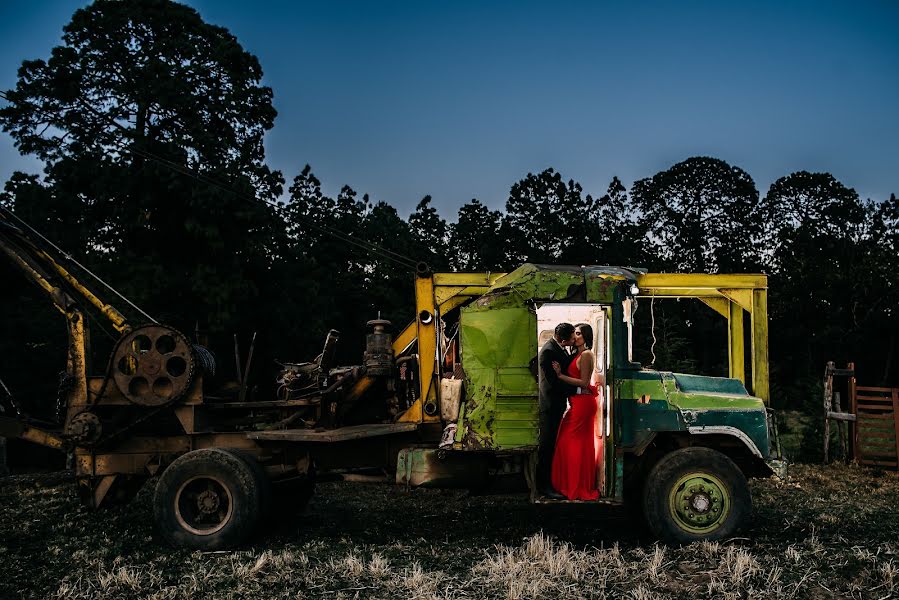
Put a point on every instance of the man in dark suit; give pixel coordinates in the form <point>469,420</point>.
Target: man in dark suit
<point>554,394</point>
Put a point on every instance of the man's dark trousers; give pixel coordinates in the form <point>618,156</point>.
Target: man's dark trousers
<point>553,397</point>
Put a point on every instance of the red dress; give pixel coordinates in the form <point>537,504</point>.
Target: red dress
<point>578,446</point>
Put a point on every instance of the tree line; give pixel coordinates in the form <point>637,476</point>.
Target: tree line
<point>150,125</point>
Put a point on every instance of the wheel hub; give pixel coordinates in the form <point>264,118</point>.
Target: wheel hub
<point>203,505</point>
<point>208,502</point>
<point>699,502</point>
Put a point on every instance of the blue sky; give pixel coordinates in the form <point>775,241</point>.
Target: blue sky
<point>461,99</point>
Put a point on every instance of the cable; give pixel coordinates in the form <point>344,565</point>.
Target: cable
<point>122,145</point>
<point>69,257</point>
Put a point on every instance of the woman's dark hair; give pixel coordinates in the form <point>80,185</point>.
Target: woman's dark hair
<point>586,333</point>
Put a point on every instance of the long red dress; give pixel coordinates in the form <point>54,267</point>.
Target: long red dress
<point>578,446</point>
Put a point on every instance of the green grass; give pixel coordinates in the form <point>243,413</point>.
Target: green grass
<point>826,532</point>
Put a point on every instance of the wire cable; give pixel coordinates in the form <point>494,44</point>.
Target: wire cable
<point>69,257</point>
<point>202,178</point>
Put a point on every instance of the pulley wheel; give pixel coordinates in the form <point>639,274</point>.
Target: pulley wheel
<point>154,365</point>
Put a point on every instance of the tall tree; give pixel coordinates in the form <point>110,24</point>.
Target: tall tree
<point>548,220</point>
<point>828,289</point>
<point>476,239</point>
<point>620,235</point>
<point>804,203</point>
<point>429,235</point>
<point>700,215</point>
<point>139,87</point>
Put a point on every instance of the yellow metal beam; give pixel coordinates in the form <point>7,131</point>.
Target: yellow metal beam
<point>719,305</point>
<point>406,337</point>
<point>700,280</point>
<point>452,303</point>
<point>115,317</point>
<point>735,342</point>
<point>44,438</point>
<point>444,293</point>
<point>427,321</point>
<point>760,344</point>
<point>465,279</point>
<point>77,358</point>
<point>741,297</point>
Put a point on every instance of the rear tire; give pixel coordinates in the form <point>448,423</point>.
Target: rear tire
<point>209,499</point>
<point>695,494</point>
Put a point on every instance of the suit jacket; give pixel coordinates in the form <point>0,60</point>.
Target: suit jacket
<point>553,391</point>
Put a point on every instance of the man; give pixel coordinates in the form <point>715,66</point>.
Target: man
<point>553,398</point>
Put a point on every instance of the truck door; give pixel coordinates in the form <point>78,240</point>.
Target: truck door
<point>597,316</point>
<point>500,408</point>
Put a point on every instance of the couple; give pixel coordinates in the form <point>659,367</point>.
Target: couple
<point>569,441</point>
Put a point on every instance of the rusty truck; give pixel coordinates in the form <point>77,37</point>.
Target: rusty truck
<point>451,399</point>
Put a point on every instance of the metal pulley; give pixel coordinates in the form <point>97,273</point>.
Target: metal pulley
<point>154,365</point>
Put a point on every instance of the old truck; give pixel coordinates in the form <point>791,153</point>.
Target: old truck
<point>450,400</point>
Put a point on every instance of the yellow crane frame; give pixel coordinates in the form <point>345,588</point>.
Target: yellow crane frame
<point>729,295</point>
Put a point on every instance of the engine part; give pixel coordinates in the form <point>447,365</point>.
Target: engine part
<point>84,428</point>
<point>154,365</point>
<point>378,359</point>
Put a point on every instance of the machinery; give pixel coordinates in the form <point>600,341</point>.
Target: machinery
<point>451,400</point>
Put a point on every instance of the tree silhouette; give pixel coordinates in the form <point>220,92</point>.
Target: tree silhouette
<point>476,242</point>
<point>429,235</point>
<point>699,215</point>
<point>136,88</point>
<point>548,220</point>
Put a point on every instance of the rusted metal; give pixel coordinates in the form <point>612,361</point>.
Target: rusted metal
<point>378,358</point>
<point>153,365</point>
<point>353,432</point>
<point>242,397</point>
<point>84,428</point>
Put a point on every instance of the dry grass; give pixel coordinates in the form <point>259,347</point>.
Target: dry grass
<point>827,532</point>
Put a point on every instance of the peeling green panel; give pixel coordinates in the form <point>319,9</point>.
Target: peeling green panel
<point>501,392</point>
<point>535,282</point>
<point>711,402</point>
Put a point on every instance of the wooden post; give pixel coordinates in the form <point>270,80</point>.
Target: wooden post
<point>841,432</point>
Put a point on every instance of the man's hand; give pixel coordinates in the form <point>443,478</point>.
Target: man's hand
<point>557,367</point>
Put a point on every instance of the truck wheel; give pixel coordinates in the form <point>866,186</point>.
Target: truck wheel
<point>695,494</point>
<point>208,499</point>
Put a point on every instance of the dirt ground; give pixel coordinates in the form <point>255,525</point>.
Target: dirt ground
<point>826,532</point>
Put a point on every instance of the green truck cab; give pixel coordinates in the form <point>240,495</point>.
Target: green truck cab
<point>679,446</point>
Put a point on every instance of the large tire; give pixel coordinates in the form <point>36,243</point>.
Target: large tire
<point>695,494</point>
<point>209,499</point>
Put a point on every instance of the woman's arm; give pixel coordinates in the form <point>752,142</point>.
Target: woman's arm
<point>586,367</point>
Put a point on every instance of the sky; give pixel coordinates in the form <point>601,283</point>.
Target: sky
<point>461,99</point>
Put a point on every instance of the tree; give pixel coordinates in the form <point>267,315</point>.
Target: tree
<point>430,235</point>
<point>139,91</point>
<point>620,236</point>
<point>548,220</point>
<point>700,215</point>
<point>476,240</point>
<point>831,281</point>
<point>814,203</point>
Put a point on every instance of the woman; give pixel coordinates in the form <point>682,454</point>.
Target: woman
<point>578,446</point>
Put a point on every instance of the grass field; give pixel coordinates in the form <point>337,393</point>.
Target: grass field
<point>826,532</point>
